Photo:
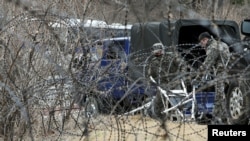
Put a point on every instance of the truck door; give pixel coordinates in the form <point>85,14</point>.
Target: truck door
<point>113,63</point>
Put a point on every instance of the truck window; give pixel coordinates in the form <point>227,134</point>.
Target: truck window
<point>188,40</point>
<point>115,50</point>
<point>187,44</point>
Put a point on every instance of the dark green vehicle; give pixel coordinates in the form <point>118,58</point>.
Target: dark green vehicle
<point>181,35</point>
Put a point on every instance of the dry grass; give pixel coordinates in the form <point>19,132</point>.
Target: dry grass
<point>129,128</point>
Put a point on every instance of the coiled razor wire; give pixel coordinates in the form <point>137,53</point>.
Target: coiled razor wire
<point>140,56</point>
<point>46,92</point>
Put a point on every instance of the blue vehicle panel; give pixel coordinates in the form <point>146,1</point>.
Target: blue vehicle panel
<point>115,83</point>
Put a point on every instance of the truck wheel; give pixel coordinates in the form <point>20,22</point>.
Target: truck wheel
<point>238,103</point>
<point>91,108</point>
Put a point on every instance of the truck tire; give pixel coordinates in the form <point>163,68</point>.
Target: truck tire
<point>91,107</point>
<point>238,103</point>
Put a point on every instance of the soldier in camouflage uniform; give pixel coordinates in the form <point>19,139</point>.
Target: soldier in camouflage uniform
<point>162,66</point>
<point>217,57</point>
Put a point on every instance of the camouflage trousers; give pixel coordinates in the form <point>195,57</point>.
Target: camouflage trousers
<point>219,110</point>
<point>157,106</point>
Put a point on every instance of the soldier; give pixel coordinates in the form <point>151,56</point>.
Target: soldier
<point>217,58</point>
<point>162,66</point>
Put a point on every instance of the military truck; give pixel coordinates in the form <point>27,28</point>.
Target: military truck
<point>182,36</point>
<point>124,87</point>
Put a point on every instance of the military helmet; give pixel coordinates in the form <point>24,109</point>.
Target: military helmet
<point>157,46</point>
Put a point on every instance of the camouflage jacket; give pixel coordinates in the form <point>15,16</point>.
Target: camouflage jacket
<point>163,69</point>
<point>217,55</point>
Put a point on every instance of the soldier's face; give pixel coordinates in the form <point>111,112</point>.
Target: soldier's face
<point>158,52</point>
<point>203,42</point>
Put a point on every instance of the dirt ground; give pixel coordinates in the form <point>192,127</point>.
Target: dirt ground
<point>129,128</point>
<point>111,128</point>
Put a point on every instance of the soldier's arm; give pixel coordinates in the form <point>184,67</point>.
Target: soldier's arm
<point>147,67</point>
<point>212,55</point>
